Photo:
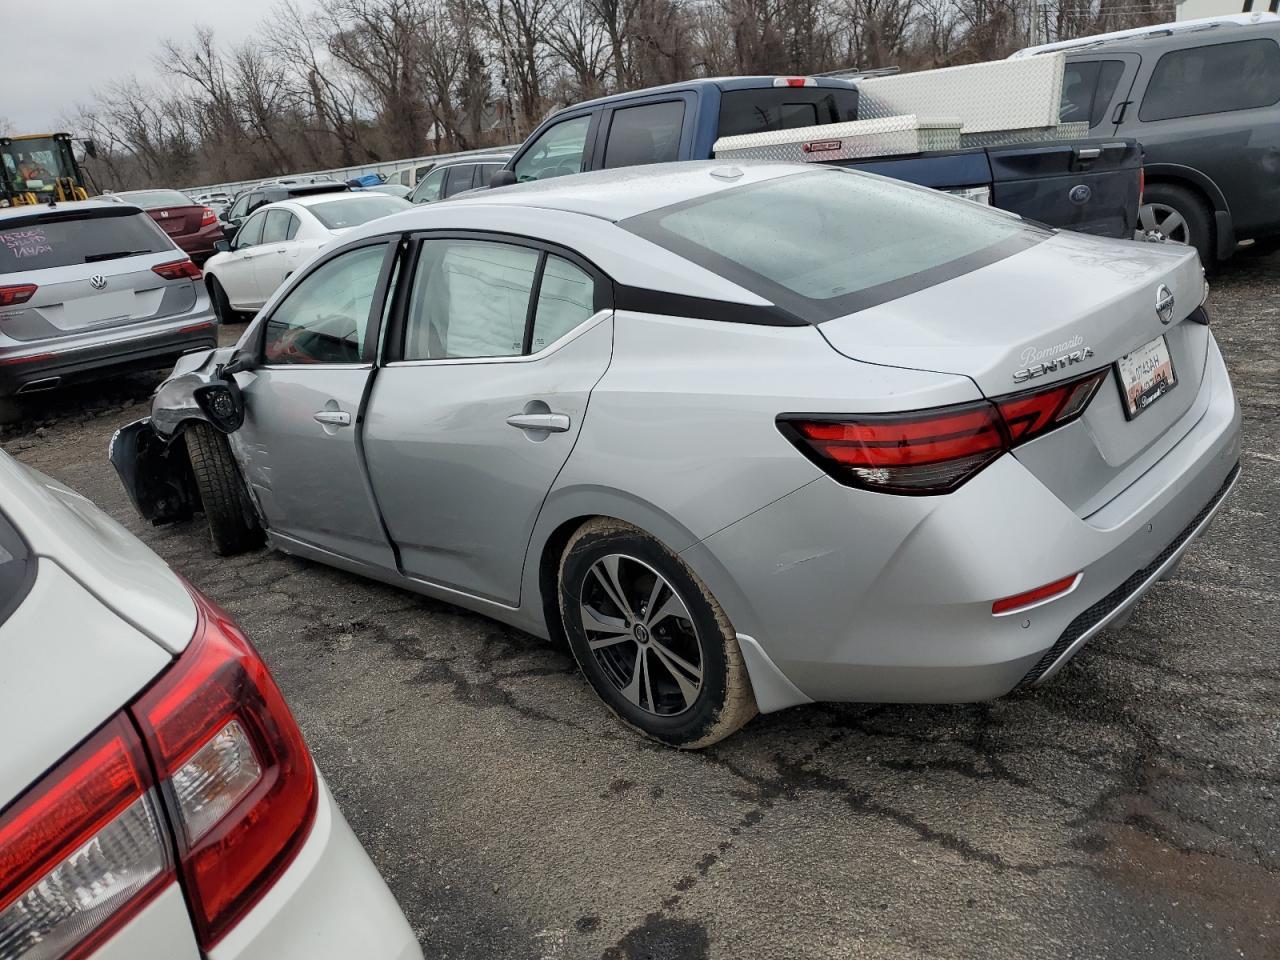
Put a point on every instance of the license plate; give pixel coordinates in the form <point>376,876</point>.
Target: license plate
<point>1145,376</point>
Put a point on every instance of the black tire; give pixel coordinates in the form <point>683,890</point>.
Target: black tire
<point>11,411</point>
<point>233,524</point>
<point>221,303</point>
<point>1187,204</point>
<point>724,701</point>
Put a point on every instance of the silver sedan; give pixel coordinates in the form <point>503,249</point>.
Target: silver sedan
<point>746,436</point>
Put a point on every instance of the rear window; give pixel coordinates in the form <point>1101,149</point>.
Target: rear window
<point>55,240</point>
<point>1213,79</point>
<point>153,199</point>
<point>15,569</point>
<point>353,211</point>
<point>823,244</point>
<point>784,108</point>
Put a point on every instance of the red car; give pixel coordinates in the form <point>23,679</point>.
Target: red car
<point>192,226</point>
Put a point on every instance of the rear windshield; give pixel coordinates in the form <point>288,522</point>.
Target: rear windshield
<point>153,199</point>
<point>355,210</point>
<point>784,108</point>
<point>37,243</point>
<point>825,243</point>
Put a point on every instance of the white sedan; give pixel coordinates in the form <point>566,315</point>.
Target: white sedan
<point>157,799</point>
<point>278,239</point>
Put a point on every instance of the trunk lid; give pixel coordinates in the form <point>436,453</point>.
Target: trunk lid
<point>178,221</point>
<point>1070,297</point>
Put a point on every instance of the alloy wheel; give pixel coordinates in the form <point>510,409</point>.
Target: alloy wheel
<point>1159,221</point>
<point>641,635</point>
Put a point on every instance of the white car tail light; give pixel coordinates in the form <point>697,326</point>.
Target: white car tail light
<point>86,848</point>
<point>82,852</point>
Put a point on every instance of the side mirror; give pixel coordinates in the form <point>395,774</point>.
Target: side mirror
<point>222,403</point>
<point>222,246</point>
<point>503,178</point>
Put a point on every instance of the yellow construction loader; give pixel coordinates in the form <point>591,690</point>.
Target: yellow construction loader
<point>41,168</point>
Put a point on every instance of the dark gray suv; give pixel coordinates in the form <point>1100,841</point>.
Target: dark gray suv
<point>1204,102</point>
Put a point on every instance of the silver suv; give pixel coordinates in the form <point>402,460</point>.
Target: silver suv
<point>89,288</point>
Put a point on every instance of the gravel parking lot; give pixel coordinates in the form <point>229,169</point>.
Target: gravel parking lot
<point>1129,809</point>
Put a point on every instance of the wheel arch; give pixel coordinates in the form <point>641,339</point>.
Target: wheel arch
<point>1175,174</point>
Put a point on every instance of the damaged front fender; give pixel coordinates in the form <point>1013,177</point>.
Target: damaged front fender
<point>155,472</point>
<point>174,403</point>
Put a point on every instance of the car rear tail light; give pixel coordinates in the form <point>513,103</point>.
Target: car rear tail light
<point>1033,598</point>
<point>239,783</point>
<point>18,293</point>
<point>934,451</point>
<point>208,218</point>
<point>178,270</point>
<point>81,852</point>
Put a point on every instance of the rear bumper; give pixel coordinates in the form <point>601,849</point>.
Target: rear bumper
<point>49,364</point>
<point>199,246</point>
<point>330,903</point>
<point>855,595</point>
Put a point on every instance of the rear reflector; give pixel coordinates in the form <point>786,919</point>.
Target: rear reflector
<point>82,852</point>
<point>178,269</point>
<point>1033,598</point>
<point>28,358</point>
<point>18,293</point>
<point>934,451</point>
<point>244,789</point>
<point>192,328</point>
<point>794,82</point>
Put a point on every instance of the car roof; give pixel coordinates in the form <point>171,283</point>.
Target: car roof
<point>1231,26</point>
<point>27,210</point>
<point>702,83</point>
<point>629,191</point>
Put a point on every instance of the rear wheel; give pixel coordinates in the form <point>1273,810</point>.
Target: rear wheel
<point>650,638</point>
<point>221,303</point>
<point>233,524</point>
<point>1174,213</point>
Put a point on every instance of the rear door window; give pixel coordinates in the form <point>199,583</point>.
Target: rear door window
<point>459,178</point>
<point>784,108</point>
<point>1217,78</point>
<point>276,228</point>
<point>649,133</point>
<point>54,240</point>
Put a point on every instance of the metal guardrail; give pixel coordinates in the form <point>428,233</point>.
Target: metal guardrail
<point>343,173</point>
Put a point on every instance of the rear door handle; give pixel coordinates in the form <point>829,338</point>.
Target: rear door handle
<point>550,422</point>
<point>333,418</point>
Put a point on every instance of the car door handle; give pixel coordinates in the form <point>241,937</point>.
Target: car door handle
<point>333,418</point>
<point>550,422</point>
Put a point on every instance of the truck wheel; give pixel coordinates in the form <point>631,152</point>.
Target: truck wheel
<point>1178,215</point>
<point>650,638</point>
<point>233,525</point>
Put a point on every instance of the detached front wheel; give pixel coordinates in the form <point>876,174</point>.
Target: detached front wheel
<point>650,638</point>
<point>233,524</point>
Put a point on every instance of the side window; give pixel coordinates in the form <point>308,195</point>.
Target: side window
<point>241,205</point>
<point>324,318</point>
<point>294,224</point>
<point>566,298</point>
<point>559,151</point>
<point>250,235</point>
<point>470,298</point>
<point>1213,79</point>
<point>255,201</point>
<point>459,179</point>
<point>276,228</point>
<point>1108,79</point>
<point>429,189</point>
<point>646,134</point>
<point>486,172</point>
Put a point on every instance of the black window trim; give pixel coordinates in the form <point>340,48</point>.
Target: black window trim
<point>793,309</point>
<point>392,350</point>
<point>368,349</point>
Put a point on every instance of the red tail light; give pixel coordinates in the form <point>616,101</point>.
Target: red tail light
<point>178,269</point>
<point>83,851</point>
<point>239,782</point>
<point>208,218</point>
<point>934,451</point>
<point>18,293</point>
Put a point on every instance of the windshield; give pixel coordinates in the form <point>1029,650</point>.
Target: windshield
<point>28,162</point>
<point>352,211</point>
<point>825,243</point>
<point>35,243</point>
<point>153,199</point>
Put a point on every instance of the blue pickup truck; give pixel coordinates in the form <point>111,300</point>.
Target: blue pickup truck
<point>1092,186</point>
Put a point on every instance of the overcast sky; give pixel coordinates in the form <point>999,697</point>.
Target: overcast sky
<point>76,46</point>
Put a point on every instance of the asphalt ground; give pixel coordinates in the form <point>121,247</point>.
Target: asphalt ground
<point>1128,809</point>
